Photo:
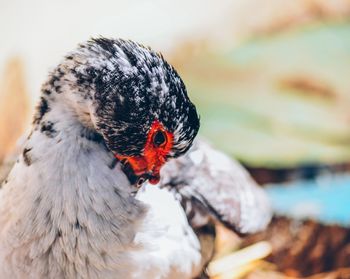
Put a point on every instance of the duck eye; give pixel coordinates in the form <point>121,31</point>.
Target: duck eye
<point>159,138</point>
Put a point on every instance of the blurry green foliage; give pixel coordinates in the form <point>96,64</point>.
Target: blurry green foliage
<point>277,100</point>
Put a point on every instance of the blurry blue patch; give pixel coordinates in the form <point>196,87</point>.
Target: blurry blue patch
<point>326,199</point>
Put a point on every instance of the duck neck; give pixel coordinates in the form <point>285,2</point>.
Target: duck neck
<point>69,189</point>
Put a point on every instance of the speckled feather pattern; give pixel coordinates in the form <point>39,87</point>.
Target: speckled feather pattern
<point>127,87</point>
<point>68,211</point>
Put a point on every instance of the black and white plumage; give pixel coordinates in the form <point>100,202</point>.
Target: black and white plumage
<point>68,207</point>
<point>212,186</point>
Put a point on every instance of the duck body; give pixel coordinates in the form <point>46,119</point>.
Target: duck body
<point>67,212</point>
<point>110,116</point>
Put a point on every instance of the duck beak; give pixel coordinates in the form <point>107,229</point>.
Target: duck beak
<point>136,167</point>
<point>154,178</point>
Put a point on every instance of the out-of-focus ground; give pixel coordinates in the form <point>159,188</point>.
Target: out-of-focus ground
<point>271,81</point>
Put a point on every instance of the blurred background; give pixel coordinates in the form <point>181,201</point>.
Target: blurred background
<point>271,80</point>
